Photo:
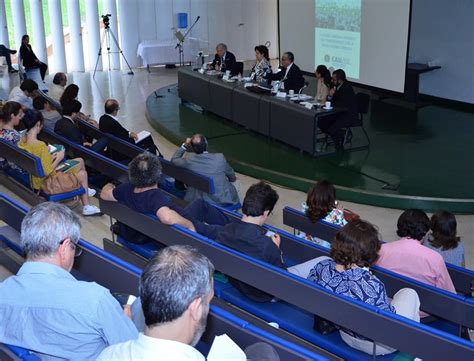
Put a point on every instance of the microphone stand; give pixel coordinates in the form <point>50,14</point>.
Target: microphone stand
<point>303,87</point>
<point>181,42</point>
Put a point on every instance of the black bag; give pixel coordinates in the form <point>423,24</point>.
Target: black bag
<point>323,326</point>
<point>129,234</point>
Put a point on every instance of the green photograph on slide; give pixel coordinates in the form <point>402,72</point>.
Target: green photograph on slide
<point>337,35</point>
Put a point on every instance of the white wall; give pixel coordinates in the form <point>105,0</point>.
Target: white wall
<point>241,24</point>
<point>444,31</point>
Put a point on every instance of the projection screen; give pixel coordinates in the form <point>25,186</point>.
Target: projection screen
<point>366,38</point>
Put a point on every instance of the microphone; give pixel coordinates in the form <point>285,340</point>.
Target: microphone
<point>304,86</point>
<point>301,89</point>
<point>198,18</point>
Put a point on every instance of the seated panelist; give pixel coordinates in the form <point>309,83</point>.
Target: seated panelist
<point>342,96</point>
<point>224,59</point>
<point>290,74</point>
<point>262,64</point>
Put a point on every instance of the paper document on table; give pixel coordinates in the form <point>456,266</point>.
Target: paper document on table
<point>223,348</point>
<point>142,135</point>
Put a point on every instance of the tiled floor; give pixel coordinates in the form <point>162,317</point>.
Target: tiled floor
<point>132,91</point>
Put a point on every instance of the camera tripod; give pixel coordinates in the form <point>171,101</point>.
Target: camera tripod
<point>108,34</point>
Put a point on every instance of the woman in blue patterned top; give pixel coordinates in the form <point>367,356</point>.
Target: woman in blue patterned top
<point>347,273</point>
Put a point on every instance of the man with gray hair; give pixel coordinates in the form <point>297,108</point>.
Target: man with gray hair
<point>176,288</point>
<point>224,59</point>
<point>213,165</point>
<point>44,308</point>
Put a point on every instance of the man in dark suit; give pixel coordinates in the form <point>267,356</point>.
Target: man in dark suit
<point>213,165</point>
<point>223,60</point>
<point>67,127</point>
<point>290,74</point>
<point>108,123</point>
<point>342,96</point>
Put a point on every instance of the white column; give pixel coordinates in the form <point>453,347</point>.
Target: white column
<point>19,24</point>
<point>3,25</point>
<point>128,19</point>
<point>93,35</point>
<point>76,60</point>
<point>39,37</point>
<point>110,7</point>
<point>56,20</point>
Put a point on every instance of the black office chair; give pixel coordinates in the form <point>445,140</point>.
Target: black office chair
<point>237,68</point>
<point>363,102</point>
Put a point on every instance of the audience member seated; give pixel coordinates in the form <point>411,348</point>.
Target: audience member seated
<point>347,273</point>
<point>443,238</point>
<point>4,51</point>
<point>24,93</point>
<point>50,115</point>
<point>249,237</point>
<point>70,93</point>
<point>44,308</point>
<point>321,204</point>
<point>409,257</point>
<point>342,96</point>
<point>29,59</point>
<point>33,121</point>
<point>10,117</point>
<point>323,83</point>
<point>176,288</point>
<point>109,123</point>
<point>213,165</point>
<point>262,66</point>
<point>67,127</point>
<point>223,60</point>
<point>56,89</point>
<point>143,195</point>
<point>289,74</point>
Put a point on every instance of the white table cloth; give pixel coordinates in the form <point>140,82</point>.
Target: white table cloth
<point>164,52</point>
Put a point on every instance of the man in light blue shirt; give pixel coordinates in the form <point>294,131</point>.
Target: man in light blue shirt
<point>44,308</point>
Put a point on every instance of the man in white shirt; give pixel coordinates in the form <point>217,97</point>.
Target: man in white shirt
<point>176,288</point>
<point>56,89</point>
<point>24,94</point>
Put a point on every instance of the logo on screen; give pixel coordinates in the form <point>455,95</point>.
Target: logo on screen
<point>327,58</point>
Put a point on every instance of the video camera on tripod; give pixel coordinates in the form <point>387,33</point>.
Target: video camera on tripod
<point>106,20</point>
<point>107,38</point>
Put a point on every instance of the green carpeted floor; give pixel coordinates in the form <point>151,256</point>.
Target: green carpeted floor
<point>416,159</point>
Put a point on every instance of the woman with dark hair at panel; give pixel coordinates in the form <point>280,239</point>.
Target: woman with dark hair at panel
<point>347,273</point>
<point>443,238</point>
<point>321,204</point>
<point>10,117</point>
<point>70,93</point>
<point>409,257</point>
<point>323,77</point>
<point>33,121</point>
<point>262,65</point>
<point>29,58</point>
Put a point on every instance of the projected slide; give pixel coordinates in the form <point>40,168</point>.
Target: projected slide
<point>337,35</point>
